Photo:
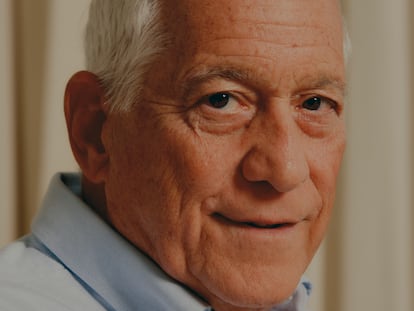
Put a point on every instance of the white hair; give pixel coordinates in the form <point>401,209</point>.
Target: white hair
<point>122,39</point>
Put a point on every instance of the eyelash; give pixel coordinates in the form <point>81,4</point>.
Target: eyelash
<point>320,101</point>
<point>225,101</point>
<point>230,101</point>
<point>220,96</point>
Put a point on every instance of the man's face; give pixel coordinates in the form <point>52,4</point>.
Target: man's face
<point>225,172</point>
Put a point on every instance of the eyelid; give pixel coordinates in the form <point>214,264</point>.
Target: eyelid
<point>323,99</point>
<point>218,84</point>
<point>207,96</point>
<point>335,100</point>
<point>233,96</point>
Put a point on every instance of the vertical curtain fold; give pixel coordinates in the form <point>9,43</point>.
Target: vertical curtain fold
<point>377,216</point>
<point>8,212</point>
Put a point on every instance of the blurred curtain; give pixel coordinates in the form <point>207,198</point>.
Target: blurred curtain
<point>366,263</point>
<point>377,195</point>
<point>40,47</point>
<point>8,207</point>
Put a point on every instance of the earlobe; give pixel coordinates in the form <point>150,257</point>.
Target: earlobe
<point>85,116</point>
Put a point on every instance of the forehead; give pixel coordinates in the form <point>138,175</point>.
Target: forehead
<point>264,36</point>
<point>259,18</point>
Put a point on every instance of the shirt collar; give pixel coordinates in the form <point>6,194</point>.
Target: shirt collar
<point>108,263</point>
<point>99,256</point>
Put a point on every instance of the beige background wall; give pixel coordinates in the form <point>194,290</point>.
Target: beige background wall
<point>367,261</point>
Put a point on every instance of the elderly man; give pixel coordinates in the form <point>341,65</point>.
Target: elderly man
<point>209,134</point>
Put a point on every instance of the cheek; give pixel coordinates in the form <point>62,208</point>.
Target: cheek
<point>324,163</point>
<point>157,185</point>
<point>324,158</point>
<point>205,165</point>
<point>139,171</point>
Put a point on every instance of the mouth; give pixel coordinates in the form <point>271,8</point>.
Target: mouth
<point>265,226</point>
<point>253,224</point>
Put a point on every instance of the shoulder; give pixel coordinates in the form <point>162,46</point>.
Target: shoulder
<point>30,280</point>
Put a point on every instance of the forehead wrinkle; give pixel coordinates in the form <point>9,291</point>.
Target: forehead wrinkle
<point>275,23</point>
<point>270,42</point>
<point>281,35</point>
<point>228,13</point>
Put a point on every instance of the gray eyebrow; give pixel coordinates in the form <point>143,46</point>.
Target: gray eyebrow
<point>214,73</point>
<point>325,81</point>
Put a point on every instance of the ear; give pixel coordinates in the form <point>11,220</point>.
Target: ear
<point>85,116</point>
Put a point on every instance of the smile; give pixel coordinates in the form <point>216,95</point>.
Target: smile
<point>253,224</point>
<point>264,226</point>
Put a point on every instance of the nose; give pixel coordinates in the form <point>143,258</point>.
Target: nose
<point>278,152</point>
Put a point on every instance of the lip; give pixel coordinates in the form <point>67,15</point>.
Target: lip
<point>258,224</point>
<point>262,233</point>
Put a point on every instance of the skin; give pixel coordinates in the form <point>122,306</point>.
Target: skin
<point>232,201</point>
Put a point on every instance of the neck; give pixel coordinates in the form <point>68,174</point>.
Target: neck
<point>94,195</point>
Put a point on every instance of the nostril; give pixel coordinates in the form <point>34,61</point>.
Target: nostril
<point>282,169</point>
<point>253,167</point>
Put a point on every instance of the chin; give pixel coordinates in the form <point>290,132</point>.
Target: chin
<point>258,290</point>
<point>251,301</point>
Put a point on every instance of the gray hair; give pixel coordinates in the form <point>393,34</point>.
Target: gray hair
<point>122,39</point>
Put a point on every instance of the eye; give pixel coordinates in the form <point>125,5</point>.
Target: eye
<point>219,100</point>
<point>313,103</point>
<point>316,103</point>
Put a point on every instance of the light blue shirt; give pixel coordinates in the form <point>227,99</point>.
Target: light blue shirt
<point>115,274</point>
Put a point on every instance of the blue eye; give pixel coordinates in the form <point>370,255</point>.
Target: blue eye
<point>219,100</point>
<point>313,103</point>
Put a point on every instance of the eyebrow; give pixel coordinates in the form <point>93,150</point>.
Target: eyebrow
<point>227,73</point>
<point>321,81</point>
<point>325,81</point>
